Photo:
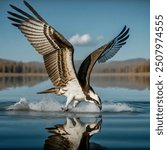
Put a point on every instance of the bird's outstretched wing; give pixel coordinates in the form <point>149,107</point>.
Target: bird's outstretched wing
<point>101,55</point>
<point>56,50</point>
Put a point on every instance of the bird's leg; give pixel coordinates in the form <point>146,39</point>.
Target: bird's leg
<point>75,104</point>
<point>69,99</point>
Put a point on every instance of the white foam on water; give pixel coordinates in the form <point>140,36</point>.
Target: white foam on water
<point>48,105</point>
<point>118,107</point>
<point>43,105</point>
<point>86,107</point>
<point>21,105</point>
<point>53,105</point>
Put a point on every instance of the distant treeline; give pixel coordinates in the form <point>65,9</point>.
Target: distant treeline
<point>138,65</point>
<point>127,66</point>
<point>7,66</point>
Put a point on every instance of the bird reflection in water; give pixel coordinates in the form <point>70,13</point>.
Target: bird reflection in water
<point>72,135</point>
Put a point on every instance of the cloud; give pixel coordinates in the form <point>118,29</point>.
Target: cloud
<point>85,39</point>
<point>81,39</point>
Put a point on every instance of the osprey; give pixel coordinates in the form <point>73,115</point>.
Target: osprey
<point>58,56</point>
<point>72,135</point>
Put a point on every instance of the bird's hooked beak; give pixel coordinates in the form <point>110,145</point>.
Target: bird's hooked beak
<point>99,104</point>
<point>96,101</point>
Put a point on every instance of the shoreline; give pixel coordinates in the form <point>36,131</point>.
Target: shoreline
<point>121,74</point>
<point>22,74</point>
<point>93,74</point>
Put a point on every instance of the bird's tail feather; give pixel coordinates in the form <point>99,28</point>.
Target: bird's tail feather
<point>51,90</point>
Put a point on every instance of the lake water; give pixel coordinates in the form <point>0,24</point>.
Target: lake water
<point>30,121</point>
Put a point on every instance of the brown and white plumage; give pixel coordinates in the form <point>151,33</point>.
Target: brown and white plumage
<point>72,135</point>
<point>101,55</point>
<point>58,56</point>
<point>48,42</point>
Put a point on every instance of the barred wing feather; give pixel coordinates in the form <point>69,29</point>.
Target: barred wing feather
<point>48,42</point>
<point>114,46</point>
<point>102,54</point>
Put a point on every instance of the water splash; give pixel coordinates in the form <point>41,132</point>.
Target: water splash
<point>43,105</point>
<point>53,105</point>
<point>21,105</point>
<point>118,107</point>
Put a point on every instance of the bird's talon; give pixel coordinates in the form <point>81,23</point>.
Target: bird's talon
<point>64,109</point>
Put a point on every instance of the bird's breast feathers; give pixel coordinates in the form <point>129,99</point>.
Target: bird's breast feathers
<point>74,90</point>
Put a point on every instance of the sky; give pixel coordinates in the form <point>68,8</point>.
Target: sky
<point>87,24</point>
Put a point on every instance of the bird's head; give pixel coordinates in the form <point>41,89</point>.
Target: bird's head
<point>94,98</point>
<point>93,128</point>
